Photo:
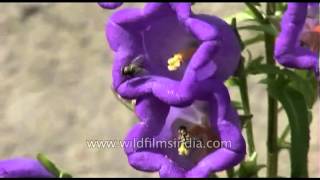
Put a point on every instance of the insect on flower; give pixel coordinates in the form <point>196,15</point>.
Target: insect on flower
<point>184,141</point>
<point>134,68</point>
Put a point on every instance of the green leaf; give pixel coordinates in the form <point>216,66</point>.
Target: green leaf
<point>275,22</point>
<point>297,112</point>
<point>49,166</point>
<point>241,16</point>
<point>65,175</point>
<point>237,104</point>
<point>232,81</point>
<point>250,168</point>
<point>301,82</point>
<point>281,7</point>
<point>266,28</point>
<point>256,13</point>
<point>305,82</point>
<point>256,61</point>
<point>253,40</point>
<point>255,67</point>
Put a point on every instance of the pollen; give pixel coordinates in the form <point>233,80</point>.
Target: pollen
<point>175,62</point>
<point>177,59</point>
<point>183,151</point>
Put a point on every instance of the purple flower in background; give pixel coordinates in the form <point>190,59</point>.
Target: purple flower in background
<point>110,5</point>
<point>173,63</point>
<point>164,49</point>
<point>297,45</point>
<point>22,167</point>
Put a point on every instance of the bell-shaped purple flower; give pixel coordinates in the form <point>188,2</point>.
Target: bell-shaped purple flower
<point>297,45</point>
<point>210,125</point>
<point>23,167</point>
<point>173,63</point>
<point>164,49</point>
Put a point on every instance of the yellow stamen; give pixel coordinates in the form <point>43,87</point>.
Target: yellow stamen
<point>183,151</point>
<point>175,62</point>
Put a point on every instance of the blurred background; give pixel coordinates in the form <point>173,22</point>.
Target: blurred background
<point>55,78</point>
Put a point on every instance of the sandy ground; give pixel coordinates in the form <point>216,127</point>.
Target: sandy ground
<point>55,77</point>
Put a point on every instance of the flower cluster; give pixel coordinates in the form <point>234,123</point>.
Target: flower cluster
<point>174,63</point>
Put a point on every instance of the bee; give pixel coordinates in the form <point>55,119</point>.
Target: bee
<point>198,135</point>
<point>184,141</point>
<point>134,68</point>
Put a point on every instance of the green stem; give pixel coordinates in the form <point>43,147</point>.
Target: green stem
<point>272,156</point>
<point>282,144</point>
<point>285,133</point>
<point>243,87</point>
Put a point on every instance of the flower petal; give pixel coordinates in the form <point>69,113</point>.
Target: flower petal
<point>298,57</point>
<point>183,10</point>
<point>22,167</point>
<point>201,29</point>
<point>169,91</point>
<point>288,52</point>
<point>203,58</point>
<point>221,159</point>
<point>225,121</point>
<point>151,162</point>
<point>110,5</point>
<point>152,114</point>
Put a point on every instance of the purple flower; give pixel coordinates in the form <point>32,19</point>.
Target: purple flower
<point>22,167</point>
<point>174,47</point>
<point>156,142</point>
<point>110,5</point>
<point>173,63</point>
<point>297,45</point>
